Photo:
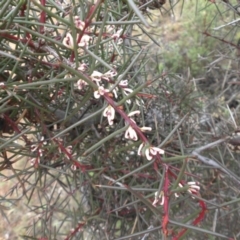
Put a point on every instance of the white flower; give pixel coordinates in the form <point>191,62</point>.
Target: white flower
<point>127,91</point>
<point>84,41</point>
<point>100,92</point>
<point>83,67</point>
<point>109,74</point>
<point>193,187</point>
<point>69,149</point>
<point>34,161</point>
<point>110,28</point>
<point>144,129</point>
<point>109,112</point>
<point>34,148</point>
<point>153,151</point>
<point>137,112</point>
<point>68,41</point>
<point>176,194</point>
<point>2,85</point>
<point>150,151</point>
<point>96,76</point>
<point>42,139</point>
<point>131,134</point>
<point>158,197</point>
<point>140,149</point>
<point>81,84</point>
<point>40,152</point>
<point>119,41</point>
<point>123,83</point>
<point>79,23</point>
<point>73,167</point>
<point>138,103</point>
<point>115,92</point>
<point>110,47</point>
<point>117,34</point>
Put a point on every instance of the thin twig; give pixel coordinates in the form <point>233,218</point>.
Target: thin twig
<point>212,162</point>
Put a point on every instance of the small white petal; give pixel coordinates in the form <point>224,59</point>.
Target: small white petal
<point>129,101</point>
<point>34,148</point>
<point>79,23</point>
<point>40,152</point>
<point>131,134</point>
<point>73,167</point>
<point>110,74</point>
<point>81,84</point>
<point>195,187</point>
<point>83,67</point>
<point>100,92</point>
<point>155,150</point>
<point>176,195</point>
<point>127,90</point>
<point>115,92</point>
<point>120,41</point>
<point>69,149</point>
<point>96,76</point>
<point>117,34</point>
<point>147,153</point>
<point>138,102</point>
<point>163,200</point>
<point>109,112</point>
<point>110,28</point>
<point>96,94</point>
<point>140,149</point>
<point>137,112</point>
<point>123,83</point>
<point>143,129</point>
<point>84,41</point>
<point>192,183</point>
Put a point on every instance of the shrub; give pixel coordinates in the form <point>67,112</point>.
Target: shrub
<point>95,148</point>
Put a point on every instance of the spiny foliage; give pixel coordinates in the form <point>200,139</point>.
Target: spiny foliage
<point>95,144</point>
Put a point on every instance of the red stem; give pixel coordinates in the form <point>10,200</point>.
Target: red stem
<point>126,118</point>
<point>22,10</point>
<point>166,201</point>
<point>42,16</point>
<point>14,126</point>
<point>75,231</point>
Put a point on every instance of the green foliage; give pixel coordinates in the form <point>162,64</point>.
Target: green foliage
<point>96,145</point>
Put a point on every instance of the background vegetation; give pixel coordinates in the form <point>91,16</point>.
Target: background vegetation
<point>79,80</point>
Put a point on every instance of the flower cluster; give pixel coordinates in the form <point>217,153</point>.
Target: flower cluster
<point>115,34</point>
<point>193,188</point>
<point>84,39</point>
<point>109,113</point>
<point>38,151</point>
<point>149,151</point>
<point>79,23</point>
<point>159,199</point>
<point>131,133</point>
<point>106,85</point>
<point>69,43</point>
